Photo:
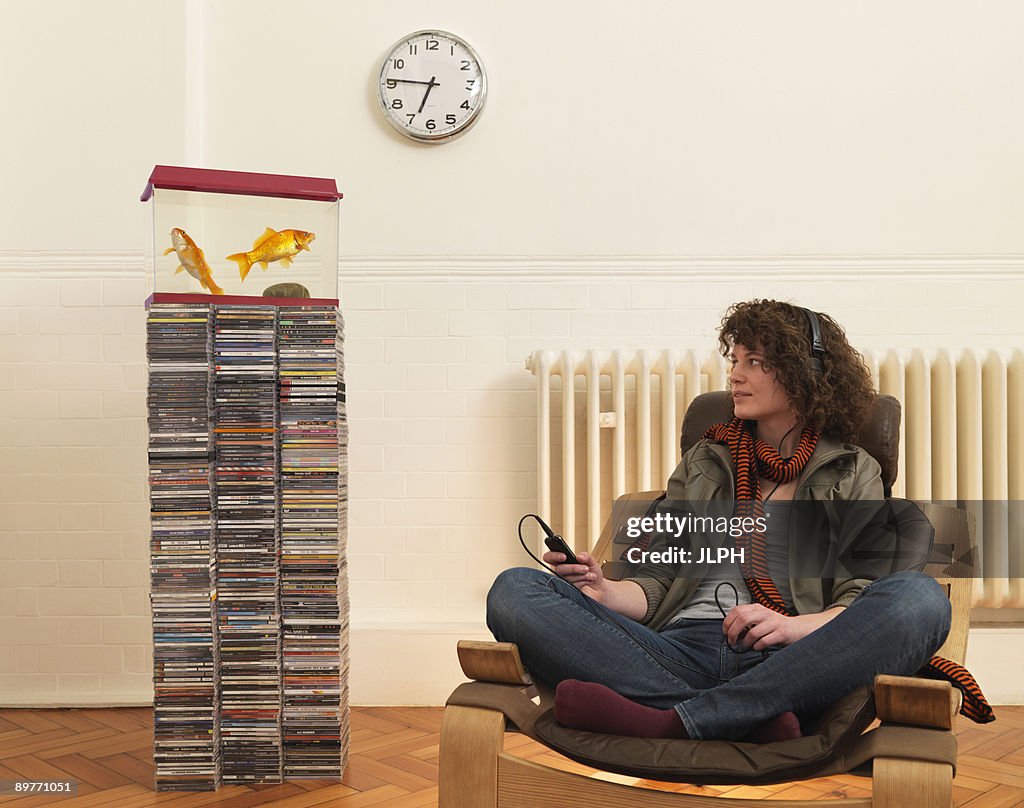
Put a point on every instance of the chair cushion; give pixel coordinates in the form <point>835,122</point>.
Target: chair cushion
<point>719,762</point>
<point>834,745</point>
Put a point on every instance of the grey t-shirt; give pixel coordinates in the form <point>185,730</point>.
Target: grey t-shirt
<point>702,605</point>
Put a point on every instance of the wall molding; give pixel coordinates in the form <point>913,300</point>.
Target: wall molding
<point>59,264</point>
<point>640,268</point>
<point>533,269</point>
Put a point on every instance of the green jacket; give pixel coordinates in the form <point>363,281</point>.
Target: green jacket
<point>836,473</point>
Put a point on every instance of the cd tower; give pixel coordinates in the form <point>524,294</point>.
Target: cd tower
<point>248,499</point>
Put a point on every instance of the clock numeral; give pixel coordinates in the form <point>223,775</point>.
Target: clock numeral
<point>392,84</point>
<point>470,83</point>
<point>452,49</point>
<point>398,63</point>
<point>431,124</point>
<point>465,64</point>
<point>432,44</point>
<point>411,117</point>
<point>449,120</point>
<point>464,105</point>
<point>396,103</point>
<point>413,49</point>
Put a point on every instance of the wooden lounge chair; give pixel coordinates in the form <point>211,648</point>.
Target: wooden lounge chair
<point>910,755</point>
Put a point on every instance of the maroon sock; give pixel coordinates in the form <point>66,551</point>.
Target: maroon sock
<point>783,727</point>
<point>596,708</point>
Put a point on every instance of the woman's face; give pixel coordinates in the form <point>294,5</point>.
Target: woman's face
<point>756,394</point>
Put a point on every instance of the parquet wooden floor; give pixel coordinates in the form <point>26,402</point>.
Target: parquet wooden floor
<point>393,764</point>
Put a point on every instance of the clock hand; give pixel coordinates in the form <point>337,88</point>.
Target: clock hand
<point>410,81</point>
<point>430,86</point>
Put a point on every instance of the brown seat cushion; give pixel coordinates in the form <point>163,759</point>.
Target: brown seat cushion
<point>719,762</point>
<point>835,744</point>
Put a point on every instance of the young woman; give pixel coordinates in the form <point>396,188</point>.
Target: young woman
<point>652,655</point>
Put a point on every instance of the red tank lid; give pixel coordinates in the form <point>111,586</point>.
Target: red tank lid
<point>180,178</point>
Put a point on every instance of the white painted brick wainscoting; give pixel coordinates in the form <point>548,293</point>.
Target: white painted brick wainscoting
<point>442,435</point>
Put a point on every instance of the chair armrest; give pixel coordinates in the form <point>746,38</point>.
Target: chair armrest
<point>920,702</point>
<point>492,662</point>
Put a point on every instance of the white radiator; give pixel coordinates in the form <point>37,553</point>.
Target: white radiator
<point>961,438</point>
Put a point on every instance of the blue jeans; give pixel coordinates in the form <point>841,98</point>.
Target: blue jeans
<point>894,626</point>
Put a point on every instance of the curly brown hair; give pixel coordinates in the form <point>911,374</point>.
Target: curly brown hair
<point>838,401</point>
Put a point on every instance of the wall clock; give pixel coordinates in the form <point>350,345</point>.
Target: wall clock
<point>432,86</point>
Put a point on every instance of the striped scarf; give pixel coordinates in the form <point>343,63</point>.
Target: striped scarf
<point>753,459</point>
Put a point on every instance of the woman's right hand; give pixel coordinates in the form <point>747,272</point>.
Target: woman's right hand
<point>624,597</point>
<point>585,576</point>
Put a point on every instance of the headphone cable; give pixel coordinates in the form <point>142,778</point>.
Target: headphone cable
<point>522,541</point>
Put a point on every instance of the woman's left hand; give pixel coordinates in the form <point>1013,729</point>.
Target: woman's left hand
<point>753,626</point>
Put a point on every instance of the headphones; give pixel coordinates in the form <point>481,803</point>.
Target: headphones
<point>817,341</point>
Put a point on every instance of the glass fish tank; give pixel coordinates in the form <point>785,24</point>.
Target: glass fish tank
<point>226,234</point>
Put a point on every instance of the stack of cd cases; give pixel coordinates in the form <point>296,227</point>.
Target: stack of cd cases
<point>310,542</point>
<point>182,551</point>
<point>245,475</point>
<point>248,482</point>
<point>343,596</point>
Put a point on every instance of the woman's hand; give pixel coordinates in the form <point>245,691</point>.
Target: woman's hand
<point>585,576</point>
<point>625,597</point>
<point>756,627</point>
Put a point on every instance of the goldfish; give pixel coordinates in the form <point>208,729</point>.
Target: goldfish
<point>272,246</point>
<point>192,260</point>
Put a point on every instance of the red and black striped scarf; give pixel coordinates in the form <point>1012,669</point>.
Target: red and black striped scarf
<point>753,459</point>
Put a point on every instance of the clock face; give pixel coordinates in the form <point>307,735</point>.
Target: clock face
<point>432,86</point>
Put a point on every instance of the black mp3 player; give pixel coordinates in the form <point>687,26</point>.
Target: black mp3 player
<point>556,544</point>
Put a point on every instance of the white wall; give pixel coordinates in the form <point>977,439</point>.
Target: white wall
<point>634,172</point>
